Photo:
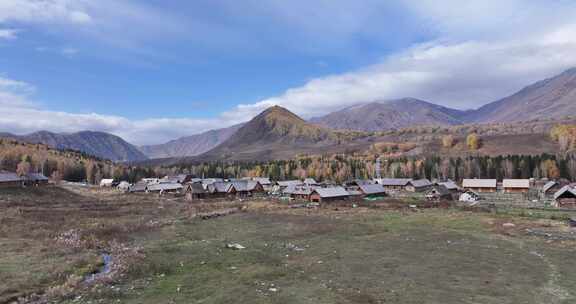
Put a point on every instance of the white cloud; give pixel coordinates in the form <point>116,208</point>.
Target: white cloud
<point>44,11</point>
<point>485,50</point>
<point>20,115</point>
<point>8,34</point>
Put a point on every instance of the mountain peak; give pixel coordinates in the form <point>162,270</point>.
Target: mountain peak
<point>390,114</point>
<point>275,127</point>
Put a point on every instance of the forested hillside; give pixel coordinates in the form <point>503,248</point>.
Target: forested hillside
<point>67,165</point>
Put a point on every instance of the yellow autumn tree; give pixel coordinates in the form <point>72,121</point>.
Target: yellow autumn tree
<point>472,141</point>
<point>448,141</point>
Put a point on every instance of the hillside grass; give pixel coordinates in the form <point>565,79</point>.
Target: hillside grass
<point>334,254</point>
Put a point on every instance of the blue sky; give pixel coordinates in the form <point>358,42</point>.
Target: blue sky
<point>152,71</point>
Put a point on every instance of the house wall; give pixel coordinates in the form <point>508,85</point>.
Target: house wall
<point>568,202</point>
<point>10,184</point>
<point>481,189</point>
<point>314,197</point>
<point>516,190</point>
<point>394,188</point>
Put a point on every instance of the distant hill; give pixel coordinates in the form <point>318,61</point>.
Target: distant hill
<point>99,144</point>
<point>389,115</point>
<point>190,145</point>
<point>551,98</point>
<point>277,133</point>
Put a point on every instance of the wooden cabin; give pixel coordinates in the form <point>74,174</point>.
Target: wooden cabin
<point>451,186</point>
<point>565,198</point>
<point>165,188</point>
<point>10,179</point>
<point>325,195</point>
<point>393,184</point>
<point>35,179</point>
<point>310,182</point>
<point>302,193</point>
<point>550,188</point>
<point>516,185</point>
<point>195,191</point>
<point>420,185</point>
<point>480,185</point>
<point>222,190</point>
<point>438,193</point>
<point>372,190</point>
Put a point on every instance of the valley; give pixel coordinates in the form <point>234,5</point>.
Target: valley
<point>160,251</point>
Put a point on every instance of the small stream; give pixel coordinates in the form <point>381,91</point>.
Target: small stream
<point>104,270</point>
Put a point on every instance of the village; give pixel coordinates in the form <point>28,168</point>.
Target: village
<point>518,192</point>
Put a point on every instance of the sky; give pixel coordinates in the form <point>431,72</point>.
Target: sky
<point>156,70</point>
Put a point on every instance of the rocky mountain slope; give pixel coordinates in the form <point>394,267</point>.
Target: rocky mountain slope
<point>190,145</point>
<point>550,98</point>
<point>278,133</point>
<point>99,144</point>
<point>388,115</point>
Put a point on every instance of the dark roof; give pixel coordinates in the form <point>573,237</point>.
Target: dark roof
<point>394,181</point>
<point>7,177</point>
<point>450,185</point>
<point>299,190</point>
<point>240,185</point>
<point>332,192</point>
<point>310,181</point>
<point>221,187</point>
<point>549,185</point>
<point>139,187</point>
<point>419,183</point>
<point>440,190</point>
<point>165,187</point>
<point>289,183</point>
<point>262,180</point>
<point>195,188</point>
<point>372,189</point>
<point>36,177</point>
<point>566,190</point>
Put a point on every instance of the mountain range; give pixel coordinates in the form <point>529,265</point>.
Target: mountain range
<point>190,145</point>
<point>278,133</point>
<point>99,144</point>
<point>394,114</point>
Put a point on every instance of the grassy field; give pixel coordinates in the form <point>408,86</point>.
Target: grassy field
<point>327,255</point>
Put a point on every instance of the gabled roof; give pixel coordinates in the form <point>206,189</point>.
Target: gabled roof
<point>372,189</point>
<point>37,177</point>
<point>440,189</point>
<point>419,183</point>
<point>331,192</point>
<point>245,185</point>
<point>139,187</point>
<point>393,181</point>
<point>165,187</point>
<point>289,182</point>
<point>195,188</point>
<point>208,181</point>
<point>479,183</point>
<point>180,178</point>
<point>516,183</point>
<point>310,181</point>
<point>262,180</point>
<point>9,177</point>
<point>549,185</point>
<point>222,187</point>
<point>300,190</point>
<point>252,185</point>
<point>450,185</point>
<point>566,190</point>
